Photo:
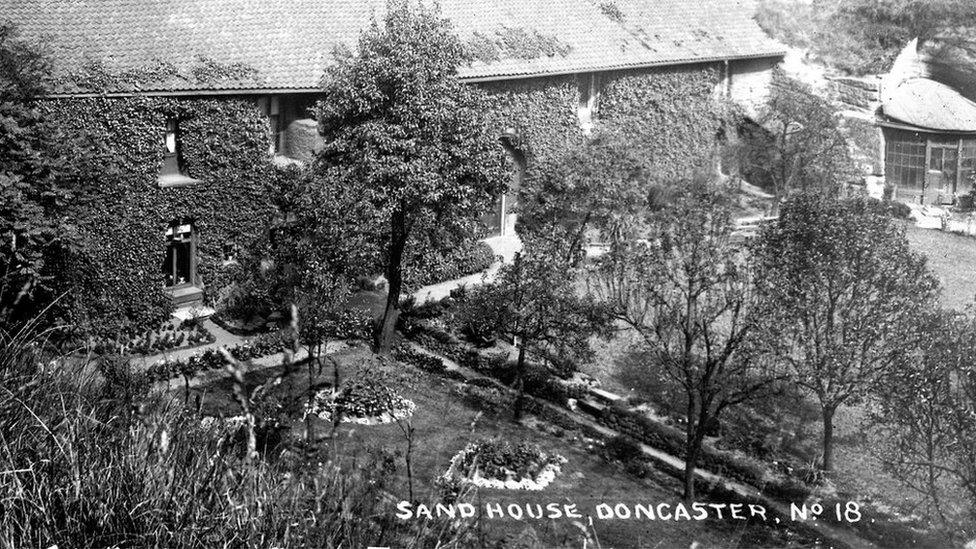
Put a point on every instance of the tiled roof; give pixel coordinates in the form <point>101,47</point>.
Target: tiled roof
<point>287,44</point>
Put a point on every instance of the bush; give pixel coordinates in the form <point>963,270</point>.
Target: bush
<point>624,449</point>
<point>406,353</point>
<point>431,267</point>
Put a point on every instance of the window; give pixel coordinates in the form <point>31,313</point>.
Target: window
<point>179,265</point>
<point>588,96</point>
<point>172,154</point>
<point>276,126</point>
<point>967,165</point>
<point>905,159</point>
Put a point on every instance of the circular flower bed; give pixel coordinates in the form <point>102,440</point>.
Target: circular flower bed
<point>499,464</point>
<point>361,401</point>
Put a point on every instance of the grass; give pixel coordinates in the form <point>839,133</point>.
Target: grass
<point>444,424</point>
<point>952,258</point>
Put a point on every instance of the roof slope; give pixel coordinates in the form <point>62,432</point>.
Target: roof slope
<point>932,105</point>
<point>185,45</point>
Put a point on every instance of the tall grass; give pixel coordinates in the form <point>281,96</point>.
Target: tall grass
<point>91,460</point>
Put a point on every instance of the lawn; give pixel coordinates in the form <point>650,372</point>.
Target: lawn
<point>445,423</point>
<point>952,258</point>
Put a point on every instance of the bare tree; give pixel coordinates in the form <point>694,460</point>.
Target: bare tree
<point>686,292</point>
<point>800,146</point>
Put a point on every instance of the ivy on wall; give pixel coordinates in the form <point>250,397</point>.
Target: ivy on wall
<point>225,145</point>
<point>95,76</point>
<point>671,111</point>
<point>542,111</point>
<point>514,43</point>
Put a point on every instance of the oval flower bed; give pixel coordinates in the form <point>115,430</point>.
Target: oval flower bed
<point>500,464</point>
<point>361,401</point>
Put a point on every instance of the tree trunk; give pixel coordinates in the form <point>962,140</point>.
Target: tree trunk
<point>692,450</point>
<point>520,380</point>
<point>828,437</point>
<point>694,435</point>
<point>394,280</point>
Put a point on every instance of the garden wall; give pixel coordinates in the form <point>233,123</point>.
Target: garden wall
<point>225,145</point>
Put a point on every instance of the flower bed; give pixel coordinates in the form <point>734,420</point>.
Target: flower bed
<point>361,401</point>
<point>212,359</point>
<point>167,337</point>
<point>502,465</point>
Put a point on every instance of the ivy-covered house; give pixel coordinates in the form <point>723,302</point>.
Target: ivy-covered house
<point>204,100</point>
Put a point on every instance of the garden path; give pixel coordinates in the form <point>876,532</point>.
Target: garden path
<point>504,246</point>
<point>222,338</point>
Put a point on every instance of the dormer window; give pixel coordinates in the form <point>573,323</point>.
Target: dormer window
<point>588,95</point>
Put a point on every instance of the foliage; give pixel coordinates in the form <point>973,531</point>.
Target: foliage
<point>611,10</point>
<point>535,299</point>
<point>803,148</point>
<point>513,43</point>
<point>685,291</point>
<point>225,144</point>
<point>213,359</point>
<point>671,115</point>
<point>88,471</point>
<point>95,76</point>
<point>361,397</point>
<point>861,36</point>
<point>598,186</point>
<point>431,263</point>
<point>925,422</point>
<point>624,449</point>
<point>44,174</point>
<point>153,341</point>
<point>408,354</point>
<point>842,296</point>
<point>540,111</point>
<point>407,135</point>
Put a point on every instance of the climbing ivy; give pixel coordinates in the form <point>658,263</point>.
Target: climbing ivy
<point>94,75</point>
<point>542,111</point>
<point>672,112</point>
<point>225,145</point>
<point>514,43</point>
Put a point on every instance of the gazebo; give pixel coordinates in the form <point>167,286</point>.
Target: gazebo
<point>930,142</point>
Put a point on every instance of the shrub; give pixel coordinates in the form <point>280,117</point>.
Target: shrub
<point>624,449</point>
<point>406,353</point>
<point>431,267</point>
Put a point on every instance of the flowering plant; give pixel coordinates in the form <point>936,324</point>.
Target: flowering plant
<point>500,464</point>
<point>361,401</point>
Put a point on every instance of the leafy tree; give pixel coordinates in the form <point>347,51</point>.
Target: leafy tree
<point>842,298</point>
<point>864,36</point>
<point>925,421</point>
<point>536,299</point>
<point>685,291</point>
<point>403,131</point>
<point>802,148</point>
<point>44,176</point>
<point>602,185</point>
